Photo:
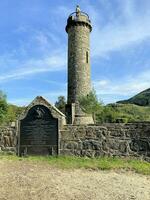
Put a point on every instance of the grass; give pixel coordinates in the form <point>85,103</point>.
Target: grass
<point>103,163</point>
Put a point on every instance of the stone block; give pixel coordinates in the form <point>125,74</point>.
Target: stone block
<point>123,147</point>
<point>71,145</point>
<point>92,145</point>
<point>88,153</point>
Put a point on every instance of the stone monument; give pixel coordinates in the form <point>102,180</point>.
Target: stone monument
<point>79,83</point>
<point>38,129</point>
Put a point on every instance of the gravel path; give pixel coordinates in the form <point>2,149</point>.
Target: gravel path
<point>20,180</point>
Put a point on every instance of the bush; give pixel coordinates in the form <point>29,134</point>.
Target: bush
<point>90,104</point>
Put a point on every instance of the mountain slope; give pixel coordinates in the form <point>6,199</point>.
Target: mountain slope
<point>141,99</point>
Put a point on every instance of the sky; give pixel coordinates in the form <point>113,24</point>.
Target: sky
<point>33,48</point>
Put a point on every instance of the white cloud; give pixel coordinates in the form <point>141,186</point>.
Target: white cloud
<point>34,66</point>
<point>128,86</point>
<point>129,28</point>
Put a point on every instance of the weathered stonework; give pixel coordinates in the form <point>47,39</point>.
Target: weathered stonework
<point>128,140</point>
<point>78,29</point>
<point>8,139</point>
<point>131,140</point>
<point>78,68</point>
<point>79,83</point>
<point>39,100</point>
<point>38,129</point>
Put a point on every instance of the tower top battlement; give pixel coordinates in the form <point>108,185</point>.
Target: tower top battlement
<point>78,18</point>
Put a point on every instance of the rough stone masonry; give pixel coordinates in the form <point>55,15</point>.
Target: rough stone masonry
<point>127,140</point>
<point>8,139</point>
<point>79,76</point>
<point>111,139</point>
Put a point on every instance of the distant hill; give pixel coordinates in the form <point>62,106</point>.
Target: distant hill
<point>141,99</point>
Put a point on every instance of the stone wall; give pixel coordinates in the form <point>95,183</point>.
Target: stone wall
<point>8,139</point>
<point>132,139</point>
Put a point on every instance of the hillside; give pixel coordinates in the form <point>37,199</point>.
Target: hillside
<point>141,99</point>
<point>123,113</point>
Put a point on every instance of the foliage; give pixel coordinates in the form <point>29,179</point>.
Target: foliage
<point>13,113</point>
<point>90,103</point>
<point>3,106</point>
<point>71,162</point>
<point>113,113</point>
<point>60,104</point>
<point>123,113</point>
<point>133,112</point>
<point>8,112</point>
<point>107,114</point>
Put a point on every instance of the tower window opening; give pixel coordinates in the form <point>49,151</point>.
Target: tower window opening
<point>87,57</point>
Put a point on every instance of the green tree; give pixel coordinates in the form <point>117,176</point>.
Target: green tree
<point>13,113</point>
<point>60,104</point>
<point>90,104</point>
<point>108,115</point>
<point>3,106</point>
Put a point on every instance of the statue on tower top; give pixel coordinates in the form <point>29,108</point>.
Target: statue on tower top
<point>78,10</point>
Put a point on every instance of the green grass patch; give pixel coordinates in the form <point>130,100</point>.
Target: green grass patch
<point>71,162</point>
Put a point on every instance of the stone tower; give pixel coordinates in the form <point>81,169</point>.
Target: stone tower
<point>79,83</point>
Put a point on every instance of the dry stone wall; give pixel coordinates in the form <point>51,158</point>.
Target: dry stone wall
<point>8,139</point>
<point>131,139</point>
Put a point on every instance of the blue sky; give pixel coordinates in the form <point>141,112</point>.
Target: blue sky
<point>33,48</point>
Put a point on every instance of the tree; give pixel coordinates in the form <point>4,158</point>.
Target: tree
<point>3,106</point>
<point>13,113</point>
<point>60,104</point>
<point>107,115</point>
<point>90,104</point>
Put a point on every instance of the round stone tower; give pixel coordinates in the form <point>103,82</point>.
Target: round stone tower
<point>79,79</point>
<point>78,29</point>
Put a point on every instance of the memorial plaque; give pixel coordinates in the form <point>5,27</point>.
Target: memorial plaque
<point>38,132</point>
